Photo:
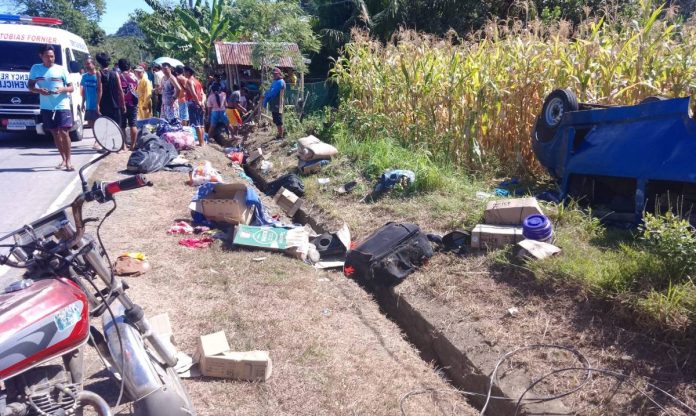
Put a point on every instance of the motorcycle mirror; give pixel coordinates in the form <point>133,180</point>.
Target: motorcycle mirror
<point>108,134</point>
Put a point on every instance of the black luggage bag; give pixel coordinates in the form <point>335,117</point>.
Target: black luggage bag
<point>387,256</point>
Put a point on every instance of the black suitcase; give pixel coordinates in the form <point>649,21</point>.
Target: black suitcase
<point>387,256</point>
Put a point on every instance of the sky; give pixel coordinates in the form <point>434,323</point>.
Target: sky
<point>117,12</point>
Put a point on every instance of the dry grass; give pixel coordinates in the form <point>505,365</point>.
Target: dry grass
<point>467,299</point>
<point>333,352</point>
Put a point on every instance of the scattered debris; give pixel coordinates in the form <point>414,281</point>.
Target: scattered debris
<point>259,259</point>
<point>204,172</point>
<point>391,178</point>
<point>294,241</point>
<point>323,181</point>
<point>310,148</point>
<point>216,360</point>
<point>536,249</point>
<point>346,188</point>
<point>314,166</point>
<point>483,195</point>
<point>290,181</point>
<point>288,201</point>
<point>266,166</point>
<point>494,236</point>
<point>225,203</point>
<point>513,311</point>
<point>203,242</point>
<point>131,264</point>
<point>510,211</point>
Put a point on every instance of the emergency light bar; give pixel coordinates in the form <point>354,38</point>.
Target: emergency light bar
<point>51,21</point>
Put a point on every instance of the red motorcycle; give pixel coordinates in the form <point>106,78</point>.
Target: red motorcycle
<point>46,316</point>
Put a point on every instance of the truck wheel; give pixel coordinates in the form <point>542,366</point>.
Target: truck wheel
<point>76,135</point>
<point>653,99</point>
<point>555,106</point>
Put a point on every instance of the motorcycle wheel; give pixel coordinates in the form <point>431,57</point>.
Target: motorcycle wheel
<point>171,400</point>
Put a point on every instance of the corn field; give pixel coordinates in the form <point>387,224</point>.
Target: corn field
<point>473,102</point>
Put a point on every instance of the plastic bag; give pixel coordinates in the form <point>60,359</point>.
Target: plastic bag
<point>204,173</point>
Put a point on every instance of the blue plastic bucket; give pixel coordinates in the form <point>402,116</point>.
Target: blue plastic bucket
<point>537,227</point>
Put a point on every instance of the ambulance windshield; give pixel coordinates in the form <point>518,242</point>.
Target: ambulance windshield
<point>20,56</point>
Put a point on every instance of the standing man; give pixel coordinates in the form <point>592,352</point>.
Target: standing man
<point>183,108</point>
<point>50,81</point>
<point>170,94</point>
<point>158,77</point>
<point>129,83</point>
<point>112,103</point>
<point>144,94</point>
<point>91,94</point>
<point>275,98</point>
<point>194,100</point>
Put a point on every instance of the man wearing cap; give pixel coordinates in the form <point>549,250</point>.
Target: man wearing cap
<point>144,93</point>
<point>274,98</point>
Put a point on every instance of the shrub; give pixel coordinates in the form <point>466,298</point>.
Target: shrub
<point>673,239</point>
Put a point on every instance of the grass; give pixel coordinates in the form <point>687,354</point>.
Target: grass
<point>605,263</point>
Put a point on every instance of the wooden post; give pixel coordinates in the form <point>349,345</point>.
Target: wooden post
<point>300,95</point>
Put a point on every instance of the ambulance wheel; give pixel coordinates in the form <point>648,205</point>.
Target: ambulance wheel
<point>76,135</point>
<point>556,105</point>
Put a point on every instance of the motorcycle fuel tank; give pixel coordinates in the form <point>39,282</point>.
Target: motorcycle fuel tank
<point>39,323</point>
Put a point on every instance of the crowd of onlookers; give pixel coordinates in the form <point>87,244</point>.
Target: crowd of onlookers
<point>127,94</point>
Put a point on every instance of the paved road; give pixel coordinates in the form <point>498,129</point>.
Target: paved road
<point>29,183</point>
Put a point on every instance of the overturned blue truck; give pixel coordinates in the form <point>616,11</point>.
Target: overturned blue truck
<point>620,160</point>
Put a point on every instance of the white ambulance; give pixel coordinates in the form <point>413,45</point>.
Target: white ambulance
<point>20,37</point>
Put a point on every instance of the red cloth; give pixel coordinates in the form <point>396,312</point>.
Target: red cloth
<point>203,242</point>
<point>236,157</point>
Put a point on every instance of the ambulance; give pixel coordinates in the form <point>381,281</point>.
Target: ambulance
<point>20,37</point>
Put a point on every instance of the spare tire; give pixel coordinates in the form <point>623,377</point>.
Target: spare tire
<point>555,106</point>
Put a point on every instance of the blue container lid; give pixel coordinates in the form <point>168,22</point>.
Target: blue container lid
<point>537,227</point>
<point>536,221</point>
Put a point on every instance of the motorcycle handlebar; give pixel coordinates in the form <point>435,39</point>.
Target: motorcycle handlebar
<point>134,182</point>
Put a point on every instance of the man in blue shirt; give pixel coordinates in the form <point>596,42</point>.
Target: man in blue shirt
<point>91,94</point>
<point>51,82</point>
<point>274,98</point>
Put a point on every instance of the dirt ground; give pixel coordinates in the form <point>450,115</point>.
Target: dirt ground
<point>467,297</point>
<point>333,351</point>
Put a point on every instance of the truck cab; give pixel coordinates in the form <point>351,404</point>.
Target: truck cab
<point>20,38</point>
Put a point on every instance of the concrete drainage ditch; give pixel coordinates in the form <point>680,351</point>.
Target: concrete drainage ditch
<point>467,362</point>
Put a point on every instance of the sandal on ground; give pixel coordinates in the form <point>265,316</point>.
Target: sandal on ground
<point>69,168</point>
<point>60,166</point>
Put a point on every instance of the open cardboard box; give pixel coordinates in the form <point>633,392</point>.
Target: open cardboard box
<point>510,211</point>
<point>287,201</point>
<point>216,360</point>
<point>226,203</point>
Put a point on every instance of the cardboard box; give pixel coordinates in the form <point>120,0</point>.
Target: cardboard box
<point>216,360</point>
<point>494,236</point>
<point>256,155</point>
<point>162,326</point>
<point>270,238</point>
<point>510,211</point>
<point>226,203</point>
<point>287,201</point>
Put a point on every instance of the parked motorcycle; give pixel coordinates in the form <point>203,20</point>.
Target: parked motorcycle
<point>47,315</point>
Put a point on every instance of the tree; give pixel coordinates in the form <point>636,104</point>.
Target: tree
<point>130,28</point>
<point>189,33</point>
<point>79,16</point>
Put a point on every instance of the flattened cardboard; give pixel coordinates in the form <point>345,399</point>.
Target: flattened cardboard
<point>288,201</point>
<point>226,203</point>
<point>495,236</point>
<point>216,360</point>
<point>537,249</point>
<point>510,211</point>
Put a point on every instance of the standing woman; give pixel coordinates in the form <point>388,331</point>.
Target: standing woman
<point>170,94</point>
<point>144,94</point>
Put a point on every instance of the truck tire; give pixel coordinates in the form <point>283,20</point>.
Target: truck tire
<point>652,99</point>
<point>77,134</point>
<point>556,105</point>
